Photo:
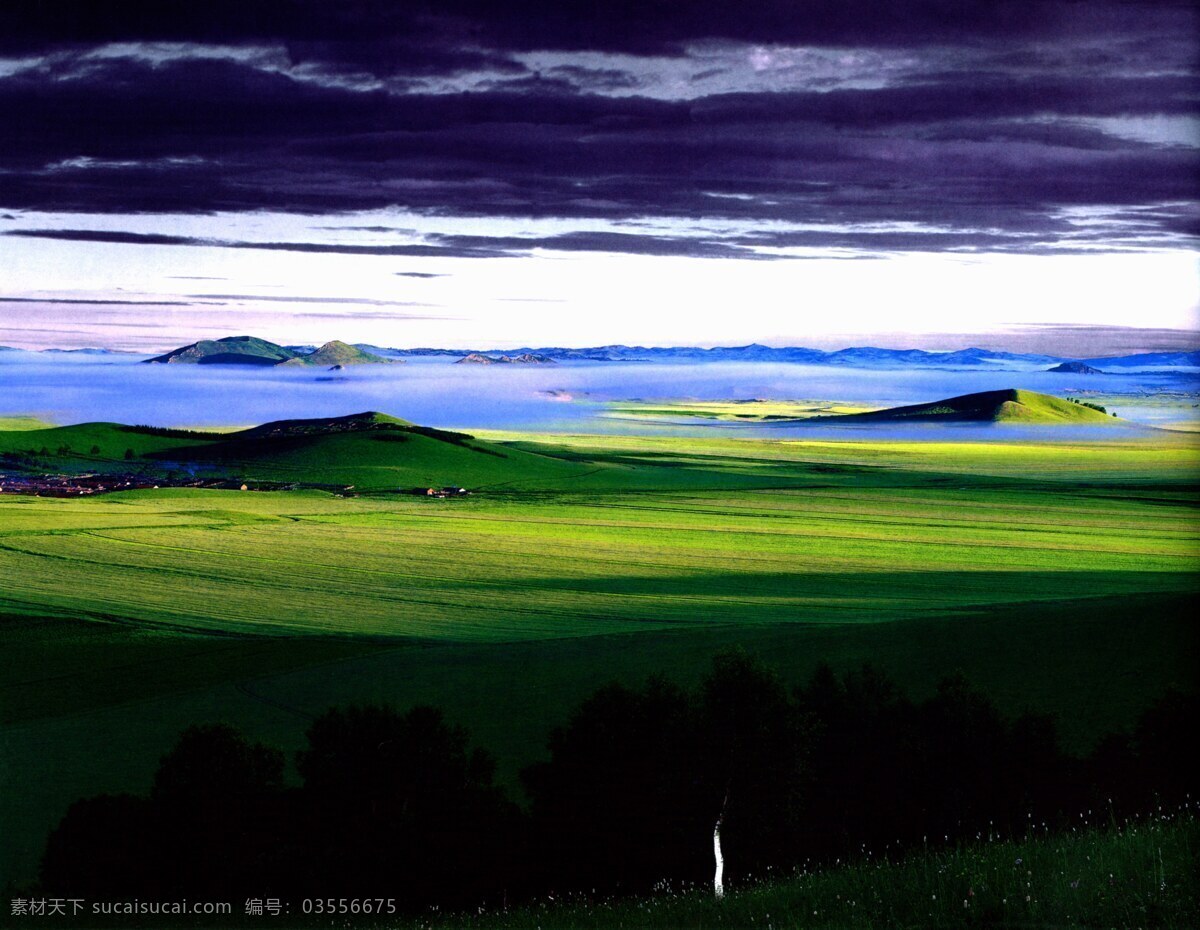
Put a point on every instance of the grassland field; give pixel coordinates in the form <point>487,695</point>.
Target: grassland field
<point>1059,576</point>
<point>1132,874</point>
<point>751,409</point>
<point>21,424</point>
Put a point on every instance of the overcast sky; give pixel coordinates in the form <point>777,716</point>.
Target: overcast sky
<point>470,173</point>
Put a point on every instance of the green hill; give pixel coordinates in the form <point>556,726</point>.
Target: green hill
<point>231,350</point>
<point>1007,406</point>
<point>249,350</point>
<point>371,451</point>
<point>368,450</point>
<point>1075,368</point>
<point>339,353</point>
<point>354,422</point>
<point>71,446</point>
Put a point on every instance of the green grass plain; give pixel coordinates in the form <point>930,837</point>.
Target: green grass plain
<point>1138,874</point>
<point>749,410</point>
<point>1057,575</point>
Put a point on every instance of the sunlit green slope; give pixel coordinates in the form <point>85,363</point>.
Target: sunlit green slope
<point>1009,405</point>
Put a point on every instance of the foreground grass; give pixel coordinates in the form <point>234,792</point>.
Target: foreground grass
<point>1057,576</point>
<point>1138,874</point>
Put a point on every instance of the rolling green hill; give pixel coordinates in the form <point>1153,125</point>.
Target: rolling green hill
<point>231,350</point>
<point>1007,406</point>
<point>371,451</point>
<point>339,353</point>
<point>248,350</point>
<point>72,446</point>
<point>354,422</point>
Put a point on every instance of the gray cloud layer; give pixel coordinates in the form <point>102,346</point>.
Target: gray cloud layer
<point>1005,121</point>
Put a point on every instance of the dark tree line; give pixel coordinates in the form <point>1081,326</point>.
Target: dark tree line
<point>399,805</point>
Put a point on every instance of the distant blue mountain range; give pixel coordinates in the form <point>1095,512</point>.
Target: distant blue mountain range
<point>88,351</point>
<point>858,357</point>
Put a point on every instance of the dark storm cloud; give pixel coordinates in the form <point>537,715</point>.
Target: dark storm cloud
<point>374,315</point>
<point>97,303</point>
<point>625,243</point>
<point>356,30</point>
<point>311,299</point>
<point>437,246</point>
<point>991,139</point>
<point>933,99</point>
<point>379,38</point>
<point>374,229</point>
<point>399,57</point>
<point>88,235</point>
<point>130,238</point>
<point>203,136</point>
<point>868,243</point>
<point>594,78</point>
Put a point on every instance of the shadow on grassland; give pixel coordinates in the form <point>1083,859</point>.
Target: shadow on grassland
<point>1094,662</point>
<point>890,593</point>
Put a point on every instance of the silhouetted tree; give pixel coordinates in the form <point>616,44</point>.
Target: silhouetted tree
<point>208,825</point>
<point>399,805</point>
<point>1038,778</point>
<point>754,748</point>
<point>637,779</point>
<point>861,726</point>
<point>105,846</point>
<point>623,801</point>
<point>220,805</point>
<point>1155,763</point>
<point>1168,761</point>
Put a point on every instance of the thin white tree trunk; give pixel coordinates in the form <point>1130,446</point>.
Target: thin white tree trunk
<point>718,884</point>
